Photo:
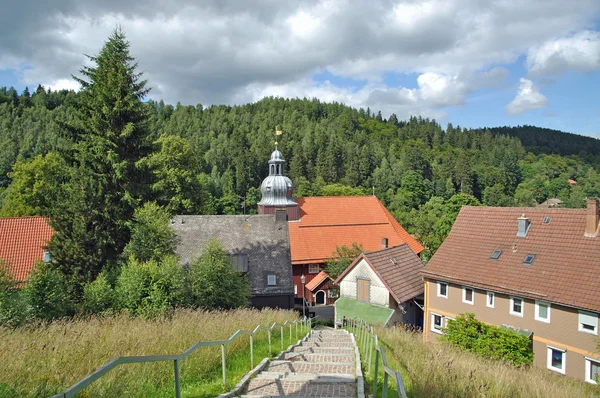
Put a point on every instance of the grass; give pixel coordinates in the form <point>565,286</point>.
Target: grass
<point>369,313</point>
<point>44,360</point>
<point>438,370</point>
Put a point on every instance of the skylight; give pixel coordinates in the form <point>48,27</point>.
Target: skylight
<point>393,260</point>
<point>529,259</point>
<point>546,220</point>
<point>496,254</point>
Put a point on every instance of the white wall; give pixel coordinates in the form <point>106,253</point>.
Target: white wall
<point>378,292</point>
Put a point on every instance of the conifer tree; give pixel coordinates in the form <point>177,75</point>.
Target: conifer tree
<point>110,136</point>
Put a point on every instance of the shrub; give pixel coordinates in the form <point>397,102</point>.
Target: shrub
<point>13,307</point>
<point>152,287</point>
<point>489,341</point>
<point>47,293</point>
<point>213,281</point>
<point>98,296</point>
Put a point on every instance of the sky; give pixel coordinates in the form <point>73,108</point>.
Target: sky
<point>472,63</point>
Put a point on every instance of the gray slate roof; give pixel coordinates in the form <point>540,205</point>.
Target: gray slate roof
<point>264,240</point>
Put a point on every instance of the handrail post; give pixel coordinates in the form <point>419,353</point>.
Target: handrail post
<point>290,334</point>
<point>296,330</point>
<point>281,330</point>
<point>177,379</point>
<point>385,384</point>
<point>223,365</point>
<point>251,353</point>
<point>376,374</point>
<point>270,349</point>
<point>371,341</point>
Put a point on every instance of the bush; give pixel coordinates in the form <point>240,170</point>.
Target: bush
<point>98,296</point>
<point>152,287</point>
<point>47,293</point>
<point>489,341</point>
<point>13,307</point>
<point>213,281</point>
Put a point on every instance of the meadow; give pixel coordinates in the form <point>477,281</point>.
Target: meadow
<point>438,370</point>
<point>44,359</point>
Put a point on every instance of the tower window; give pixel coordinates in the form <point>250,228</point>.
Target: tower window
<point>272,169</point>
<point>277,169</point>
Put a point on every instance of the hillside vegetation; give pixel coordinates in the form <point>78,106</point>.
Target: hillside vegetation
<point>44,360</point>
<point>438,370</point>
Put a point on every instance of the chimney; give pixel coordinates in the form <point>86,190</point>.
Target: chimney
<point>384,243</point>
<point>591,219</point>
<point>280,215</point>
<point>523,224</point>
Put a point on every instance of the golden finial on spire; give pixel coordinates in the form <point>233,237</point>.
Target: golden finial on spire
<point>277,132</point>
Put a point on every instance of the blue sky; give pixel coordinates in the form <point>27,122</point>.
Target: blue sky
<point>467,62</point>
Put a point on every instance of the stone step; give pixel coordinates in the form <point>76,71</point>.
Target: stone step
<point>299,388</point>
<point>324,350</point>
<point>327,344</point>
<point>306,357</point>
<point>322,368</point>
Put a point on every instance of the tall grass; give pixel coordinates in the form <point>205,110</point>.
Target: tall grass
<point>38,361</point>
<point>437,370</point>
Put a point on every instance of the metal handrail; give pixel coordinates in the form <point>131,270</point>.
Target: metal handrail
<point>366,336</point>
<point>92,377</point>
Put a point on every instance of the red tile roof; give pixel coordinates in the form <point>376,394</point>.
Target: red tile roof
<point>317,280</point>
<point>566,268</point>
<point>21,243</point>
<point>330,221</point>
<point>399,268</point>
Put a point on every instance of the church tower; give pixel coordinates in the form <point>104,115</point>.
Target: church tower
<point>276,190</point>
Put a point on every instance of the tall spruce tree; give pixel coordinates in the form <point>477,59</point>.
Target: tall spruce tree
<point>110,136</point>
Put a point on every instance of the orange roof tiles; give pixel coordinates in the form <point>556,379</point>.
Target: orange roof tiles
<point>317,280</point>
<point>330,221</point>
<point>22,241</point>
<point>566,268</point>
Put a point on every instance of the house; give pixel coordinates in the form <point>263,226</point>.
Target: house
<point>387,279</point>
<point>22,244</point>
<point>258,244</point>
<point>550,203</point>
<point>535,270</point>
<point>318,225</point>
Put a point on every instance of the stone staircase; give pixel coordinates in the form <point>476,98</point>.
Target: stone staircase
<point>323,365</point>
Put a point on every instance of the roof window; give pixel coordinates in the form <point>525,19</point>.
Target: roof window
<point>393,260</point>
<point>529,259</point>
<point>496,254</point>
<point>546,220</point>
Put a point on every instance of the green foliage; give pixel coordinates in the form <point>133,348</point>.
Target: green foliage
<point>13,307</point>
<point>151,288</point>
<point>152,237</point>
<point>48,293</point>
<point>98,296</point>
<point>341,190</point>
<point>341,258</point>
<point>489,341</point>
<point>37,186</point>
<point>213,281</point>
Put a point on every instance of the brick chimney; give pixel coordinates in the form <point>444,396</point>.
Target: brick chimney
<point>592,218</point>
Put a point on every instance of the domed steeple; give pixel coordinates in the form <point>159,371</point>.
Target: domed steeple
<point>276,190</point>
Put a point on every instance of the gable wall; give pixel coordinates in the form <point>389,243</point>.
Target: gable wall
<point>378,293</point>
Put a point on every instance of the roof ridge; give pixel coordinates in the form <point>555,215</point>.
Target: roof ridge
<point>341,225</point>
<point>387,248</point>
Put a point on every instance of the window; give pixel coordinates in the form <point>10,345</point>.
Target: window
<point>592,371</point>
<point>516,306</point>
<point>436,323</point>
<point>442,289</point>
<point>557,360</point>
<point>468,295</point>
<point>546,220</point>
<point>296,290</point>
<point>496,254</point>
<point>271,280</point>
<point>588,322</point>
<point>240,262</point>
<point>542,311</point>
<point>529,259</point>
<point>313,268</point>
<point>490,300</point>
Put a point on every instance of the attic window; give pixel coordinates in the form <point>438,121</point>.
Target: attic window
<point>496,254</point>
<point>393,260</point>
<point>271,280</point>
<point>529,259</point>
<point>546,220</point>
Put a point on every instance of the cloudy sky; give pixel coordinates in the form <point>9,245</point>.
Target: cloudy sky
<point>470,62</point>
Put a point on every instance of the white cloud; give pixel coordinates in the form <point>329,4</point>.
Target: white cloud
<point>580,51</point>
<point>440,90</point>
<point>528,98</point>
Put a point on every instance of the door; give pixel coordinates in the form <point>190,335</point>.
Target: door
<point>320,298</point>
<point>363,290</point>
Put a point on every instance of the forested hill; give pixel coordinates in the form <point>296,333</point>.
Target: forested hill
<point>540,140</point>
<point>213,159</point>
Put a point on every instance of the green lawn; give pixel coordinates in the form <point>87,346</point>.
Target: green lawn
<point>373,314</point>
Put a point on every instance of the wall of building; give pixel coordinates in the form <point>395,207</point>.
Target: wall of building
<point>378,293</point>
<point>408,313</point>
<point>284,301</point>
<point>561,332</point>
<point>303,269</point>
